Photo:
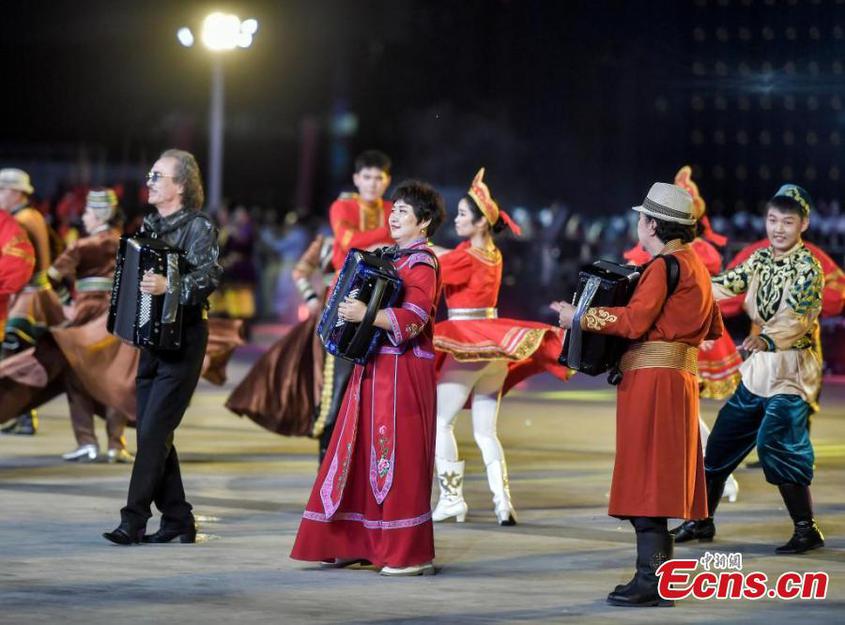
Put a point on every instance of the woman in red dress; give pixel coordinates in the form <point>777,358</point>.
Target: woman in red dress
<point>371,501</point>
<point>479,355</point>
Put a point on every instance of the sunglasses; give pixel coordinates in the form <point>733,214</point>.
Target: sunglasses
<point>155,176</point>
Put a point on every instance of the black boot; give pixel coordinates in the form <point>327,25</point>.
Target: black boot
<point>702,531</point>
<point>654,547</point>
<point>125,534</point>
<point>185,533</point>
<point>807,534</point>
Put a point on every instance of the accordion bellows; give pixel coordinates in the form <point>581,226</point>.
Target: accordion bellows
<point>372,279</point>
<point>602,283</point>
<point>150,321</point>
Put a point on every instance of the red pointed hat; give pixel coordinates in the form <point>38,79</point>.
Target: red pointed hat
<point>684,180</point>
<point>480,194</point>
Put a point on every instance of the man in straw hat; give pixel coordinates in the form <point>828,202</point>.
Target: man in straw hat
<point>659,470</point>
<point>36,307</point>
<point>781,379</point>
<point>89,263</point>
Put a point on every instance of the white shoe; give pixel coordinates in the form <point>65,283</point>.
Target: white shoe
<point>731,489</point>
<point>450,475</point>
<point>497,478</point>
<point>83,453</point>
<point>408,571</point>
<point>120,455</point>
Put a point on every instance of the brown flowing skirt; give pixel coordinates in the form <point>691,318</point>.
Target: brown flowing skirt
<point>103,365</point>
<point>282,390</point>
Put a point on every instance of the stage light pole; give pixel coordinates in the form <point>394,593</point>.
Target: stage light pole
<point>220,32</point>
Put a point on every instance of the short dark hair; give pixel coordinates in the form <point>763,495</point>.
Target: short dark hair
<point>785,204</point>
<point>425,200</point>
<point>496,228</point>
<point>188,175</point>
<point>373,158</point>
<point>670,230</point>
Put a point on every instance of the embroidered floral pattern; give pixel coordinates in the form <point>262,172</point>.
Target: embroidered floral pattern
<point>596,319</point>
<point>412,329</point>
<point>383,466</point>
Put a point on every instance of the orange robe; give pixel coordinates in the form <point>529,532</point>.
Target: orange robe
<point>718,365</point>
<point>659,468</point>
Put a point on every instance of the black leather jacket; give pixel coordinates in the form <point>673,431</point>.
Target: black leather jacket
<point>195,234</point>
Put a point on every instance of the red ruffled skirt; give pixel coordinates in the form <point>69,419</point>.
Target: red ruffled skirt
<point>528,346</point>
<point>718,369</point>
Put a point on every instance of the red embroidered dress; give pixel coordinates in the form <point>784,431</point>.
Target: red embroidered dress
<point>372,495</point>
<point>471,282</point>
<point>718,366</point>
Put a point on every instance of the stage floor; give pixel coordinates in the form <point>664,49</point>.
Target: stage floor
<point>249,486</point>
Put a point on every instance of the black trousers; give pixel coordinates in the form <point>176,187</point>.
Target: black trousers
<point>165,384</point>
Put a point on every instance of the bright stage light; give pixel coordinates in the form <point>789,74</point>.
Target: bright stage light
<point>249,26</point>
<point>220,31</point>
<point>185,36</point>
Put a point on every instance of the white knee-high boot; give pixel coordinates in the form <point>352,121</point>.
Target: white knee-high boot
<point>450,475</point>
<point>497,477</point>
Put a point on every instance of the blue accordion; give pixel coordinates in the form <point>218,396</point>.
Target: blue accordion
<point>371,278</point>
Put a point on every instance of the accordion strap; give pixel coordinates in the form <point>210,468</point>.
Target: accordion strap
<point>363,333</point>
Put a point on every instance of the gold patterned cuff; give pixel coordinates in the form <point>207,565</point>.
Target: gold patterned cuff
<point>595,319</point>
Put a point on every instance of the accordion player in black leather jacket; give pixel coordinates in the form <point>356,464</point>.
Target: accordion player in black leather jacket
<point>166,379</point>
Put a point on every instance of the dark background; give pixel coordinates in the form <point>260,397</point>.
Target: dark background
<point>581,102</point>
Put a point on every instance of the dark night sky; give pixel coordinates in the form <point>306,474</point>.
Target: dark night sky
<point>586,102</point>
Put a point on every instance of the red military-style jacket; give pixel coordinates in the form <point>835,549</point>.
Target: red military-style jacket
<point>17,260</point>
<point>355,224</point>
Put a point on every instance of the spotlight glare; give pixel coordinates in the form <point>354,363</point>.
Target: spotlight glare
<point>249,26</point>
<point>220,31</point>
<point>185,36</point>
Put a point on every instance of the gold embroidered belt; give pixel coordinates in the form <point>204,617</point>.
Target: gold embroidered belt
<point>663,354</point>
<point>473,313</point>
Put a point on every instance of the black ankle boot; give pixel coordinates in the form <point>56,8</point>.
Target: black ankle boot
<point>654,547</point>
<point>125,534</point>
<point>185,534</point>
<point>702,531</point>
<point>807,534</point>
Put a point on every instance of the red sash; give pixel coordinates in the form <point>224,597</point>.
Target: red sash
<point>383,439</point>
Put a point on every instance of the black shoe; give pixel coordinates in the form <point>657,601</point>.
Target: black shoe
<point>24,425</point>
<point>639,593</point>
<point>702,531</point>
<point>167,534</point>
<point>125,535</point>
<point>807,536</point>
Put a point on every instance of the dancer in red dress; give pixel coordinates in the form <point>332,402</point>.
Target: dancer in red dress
<point>371,501</point>
<point>479,355</point>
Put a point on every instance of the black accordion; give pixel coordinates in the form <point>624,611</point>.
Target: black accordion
<point>372,279</point>
<point>602,283</point>
<point>151,321</point>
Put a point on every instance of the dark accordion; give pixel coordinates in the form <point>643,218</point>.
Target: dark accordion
<point>144,320</point>
<point>372,279</point>
<point>603,283</point>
